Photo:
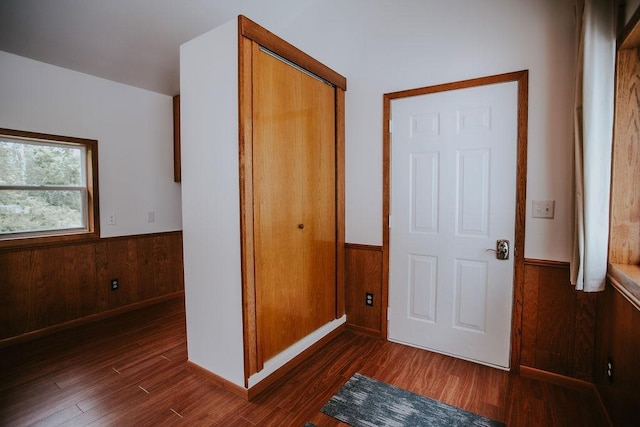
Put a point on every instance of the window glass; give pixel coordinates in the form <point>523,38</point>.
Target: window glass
<point>43,187</point>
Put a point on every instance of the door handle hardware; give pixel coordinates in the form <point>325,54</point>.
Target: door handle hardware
<point>501,250</point>
<point>300,226</point>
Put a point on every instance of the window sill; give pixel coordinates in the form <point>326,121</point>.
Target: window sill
<point>38,242</point>
<point>626,279</point>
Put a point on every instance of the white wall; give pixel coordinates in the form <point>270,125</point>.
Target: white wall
<point>384,46</point>
<point>133,127</point>
<point>211,201</point>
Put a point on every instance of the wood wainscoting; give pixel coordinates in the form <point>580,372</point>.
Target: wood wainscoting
<point>618,342</point>
<point>558,323</point>
<point>363,274</point>
<point>45,289</point>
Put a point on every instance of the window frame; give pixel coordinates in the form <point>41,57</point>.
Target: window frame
<point>90,198</point>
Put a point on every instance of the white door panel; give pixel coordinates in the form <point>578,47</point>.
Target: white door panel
<point>453,195</point>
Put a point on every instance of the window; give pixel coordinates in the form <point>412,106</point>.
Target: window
<point>48,188</point>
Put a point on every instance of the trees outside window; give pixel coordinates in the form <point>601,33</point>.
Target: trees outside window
<point>48,186</point>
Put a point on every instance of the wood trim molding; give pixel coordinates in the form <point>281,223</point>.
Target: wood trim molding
<point>522,79</point>
<point>272,380</point>
<point>340,201</point>
<point>365,331</point>
<point>281,374</point>
<point>225,384</point>
<point>546,263</point>
<point>88,319</point>
<point>557,379</point>
<point>625,279</point>
<point>275,44</point>
<point>630,37</point>
<point>245,129</point>
<point>571,384</point>
<point>360,247</point>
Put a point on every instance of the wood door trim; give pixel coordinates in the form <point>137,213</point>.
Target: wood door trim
<point>245,127</point>
<point>340,201</point>
<point>522,79</point>
<point>251,30</point>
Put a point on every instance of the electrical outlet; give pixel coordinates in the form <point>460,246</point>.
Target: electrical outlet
<point>610,370</point>
<point>368,299</point>
<point>111,219</point>
<point>115,284</point>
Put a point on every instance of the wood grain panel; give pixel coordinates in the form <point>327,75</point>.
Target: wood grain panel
<point>278,187</point>
<point>294,202</point>
<point>558,323</point>
<point>529,316</point>
<point>46,287</point>
<point>318,131</point>
<point>618,340</point>
<point>624,243</point>
<point>555,321</point>
<point>364,274</point>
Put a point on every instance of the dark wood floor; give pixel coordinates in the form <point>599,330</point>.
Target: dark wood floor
<point>130,370</point>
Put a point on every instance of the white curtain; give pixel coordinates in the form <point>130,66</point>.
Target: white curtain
<point>593,131</point>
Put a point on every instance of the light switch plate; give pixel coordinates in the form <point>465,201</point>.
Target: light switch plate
<point>544,209</point>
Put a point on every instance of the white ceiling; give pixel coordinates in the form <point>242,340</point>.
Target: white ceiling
<point>135,42</point>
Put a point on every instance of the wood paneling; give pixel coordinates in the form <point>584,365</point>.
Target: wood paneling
<point>558,323</point>
<point>624,244</point>
<point>130,370</point>
<point>48,286</point>
<point>363,267</point>
<point>618,340</point>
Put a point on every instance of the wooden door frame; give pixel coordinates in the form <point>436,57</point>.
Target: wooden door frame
<point>522,79</point>
<point>248,33</point>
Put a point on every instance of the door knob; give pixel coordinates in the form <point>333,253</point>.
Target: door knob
<point>501,250</point>
<point>300,226</point>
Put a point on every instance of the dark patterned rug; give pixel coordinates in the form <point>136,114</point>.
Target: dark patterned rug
<point>367,402</point>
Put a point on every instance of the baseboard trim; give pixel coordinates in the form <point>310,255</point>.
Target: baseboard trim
<point>557,379</point>
<point>570,383</point>
<point>278,376</point>
<point>365,331</point>
<point>87,319</point>
<point>218,380</point>
<point>604,414</point>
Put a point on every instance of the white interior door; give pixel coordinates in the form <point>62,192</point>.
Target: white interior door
<point>453,196</point>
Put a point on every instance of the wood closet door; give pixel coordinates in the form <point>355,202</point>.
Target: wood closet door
<point>294,203</point>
